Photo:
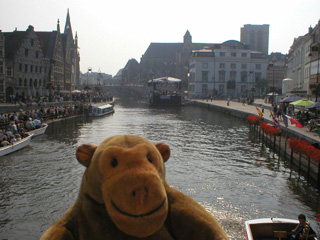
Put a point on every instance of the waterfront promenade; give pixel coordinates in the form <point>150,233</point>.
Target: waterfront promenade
<point>245,110</point>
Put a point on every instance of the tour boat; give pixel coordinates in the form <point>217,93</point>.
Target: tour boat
<point>98,111</point>
<point>39,131</point>
<point>269,228</point>
<point>15,146</point>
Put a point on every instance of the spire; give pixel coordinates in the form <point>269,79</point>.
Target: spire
<point>187,39</point>
<point>68,23</point>
<point>76,40</point>
<point>58,25</point>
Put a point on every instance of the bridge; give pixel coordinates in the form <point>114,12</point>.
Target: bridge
<point>131,90</point>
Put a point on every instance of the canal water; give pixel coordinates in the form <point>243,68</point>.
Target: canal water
<point>213,160</point>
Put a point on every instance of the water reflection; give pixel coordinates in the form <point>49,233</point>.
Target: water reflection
<point>213,160</point>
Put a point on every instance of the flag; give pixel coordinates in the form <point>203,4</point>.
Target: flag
<point>259,113</point>
<point>285,119</point>
<point>275,121</point>
<point>293,121</point>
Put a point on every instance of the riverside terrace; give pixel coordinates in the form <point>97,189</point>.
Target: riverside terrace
<point>280,145</point>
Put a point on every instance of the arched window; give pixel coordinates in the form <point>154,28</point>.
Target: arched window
<point>30,82</point>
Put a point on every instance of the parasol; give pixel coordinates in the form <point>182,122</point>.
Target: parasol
<point>303,103</point>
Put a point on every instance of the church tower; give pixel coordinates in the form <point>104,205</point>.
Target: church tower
<point>187,40</point>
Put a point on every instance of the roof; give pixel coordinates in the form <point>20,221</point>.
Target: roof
<point>165,79</point>
<point>47,41</point>
<point>13,41</point>
<point>169,50</point>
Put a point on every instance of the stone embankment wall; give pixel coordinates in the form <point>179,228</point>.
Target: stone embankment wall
<point>304,166</point>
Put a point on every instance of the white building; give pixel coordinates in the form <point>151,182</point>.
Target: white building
<point>230,68</point>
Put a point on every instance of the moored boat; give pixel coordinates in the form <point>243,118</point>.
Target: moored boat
<point>39,131</point>
<point>98,111</point>
<point>269,228</point>
<point>15,146</point>
<point>166,91</point>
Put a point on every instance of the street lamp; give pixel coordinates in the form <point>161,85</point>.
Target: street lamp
<point>89,70</point>
<point>271,65</point>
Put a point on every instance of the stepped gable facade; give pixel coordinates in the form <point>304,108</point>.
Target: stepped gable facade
<point>40,63</point>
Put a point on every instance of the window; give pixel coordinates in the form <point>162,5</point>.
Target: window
<point>204,65</point>
<point>244,76</point>
<point>243,89</point>
<point>1,67</point>
<point>222,76</point>
<point>30,82</point>
<point>35,83</point>
<point>257,76</point>
<point>26,68</point>
<point>9,71</point>
<point>258,66</point>
<point>36,69</point>
<point>1,53</point>
<point>222,65</point>
<point>243,66</point>
<point>20,67</point>
<point>233,75</point>
<point>26,52</point>
<point>204,88</point>
<point>221,89</point>
<point>25,82</point>
<point>222,54</point>
<point>233,54</point>
<point>40,69</point>
<point>32,42</point>
<point>233,66</point>
<point>31,68</point>
<point>20,82</point>
<point>37,54</point>
<point>243,54</point>
<point>204,76</point>
<point>39,82</point>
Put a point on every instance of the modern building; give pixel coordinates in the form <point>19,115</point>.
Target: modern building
<point>256,36</point>
<point>40,63</point>
<point>227,69</point>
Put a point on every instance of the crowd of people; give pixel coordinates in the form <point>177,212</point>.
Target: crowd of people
<point>14,126</point>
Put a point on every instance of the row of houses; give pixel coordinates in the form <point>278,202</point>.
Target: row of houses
<point>34,63</point>
<point>302,72</point>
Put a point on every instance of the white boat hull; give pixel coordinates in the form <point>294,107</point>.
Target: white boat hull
<point>39,131</point>
<point>16,146</point>
<point>264,228</point>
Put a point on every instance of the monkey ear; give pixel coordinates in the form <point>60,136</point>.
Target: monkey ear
<point>84,154</point>
<point>164,149</point>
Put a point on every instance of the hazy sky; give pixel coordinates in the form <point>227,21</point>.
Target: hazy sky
<point>112,32</point>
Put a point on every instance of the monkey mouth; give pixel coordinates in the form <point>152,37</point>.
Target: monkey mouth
<point>140,215</point>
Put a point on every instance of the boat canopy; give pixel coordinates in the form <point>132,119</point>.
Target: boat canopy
<point>165,79</point>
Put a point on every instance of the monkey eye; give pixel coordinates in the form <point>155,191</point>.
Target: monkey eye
<point>149,158</point>
<point>114,162</point>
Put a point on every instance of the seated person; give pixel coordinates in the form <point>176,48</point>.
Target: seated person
<point>303,229</point>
